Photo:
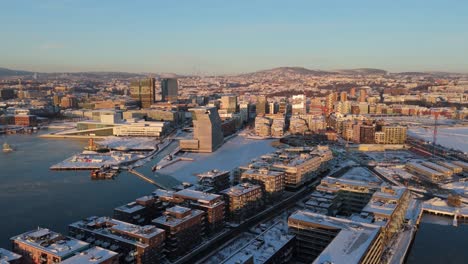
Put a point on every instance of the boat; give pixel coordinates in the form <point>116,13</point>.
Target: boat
<point>7,148</point>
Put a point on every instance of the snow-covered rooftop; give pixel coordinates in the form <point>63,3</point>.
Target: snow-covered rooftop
<point>351,242</point>
<point>6,256</point>
<point>92,255</point>
<point>51,242</point>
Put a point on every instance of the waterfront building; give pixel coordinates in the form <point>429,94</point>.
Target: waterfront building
<point>25,120</point>
<point>93,255</point>
<point>184,229</point>
<point>212,204</point>
<point>272,182</point>
<point>325,239</point>
<point>215,180</point>
<point>143,92</point>
<point>263,126</point>
<point>243,200</point>
<point>207,131</point>
<point>142,129</point>
<point>134,243</point>
<point>141,211</point>
<point>8,257</point>
<point>169,89</point>
<point>45,246</point>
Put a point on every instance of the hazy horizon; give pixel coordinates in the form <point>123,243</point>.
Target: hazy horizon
<point>213,37</point>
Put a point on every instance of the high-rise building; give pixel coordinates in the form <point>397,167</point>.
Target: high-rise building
<point>299,104</point>
<point>367,134</point>
<point>343,97</point>
<point>169,89</point>
<point>143,92</point>
<point>352,92</point>
<point>394,134</point>
<point>207,131</point>
<point>261,105</point>
<point>229,103</point>
<point>331,99</point>
<point>362,95</point>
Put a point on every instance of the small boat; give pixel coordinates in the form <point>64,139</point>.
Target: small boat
<point>7,148</point>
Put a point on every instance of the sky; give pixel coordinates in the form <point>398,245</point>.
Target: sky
<point>237,36</point>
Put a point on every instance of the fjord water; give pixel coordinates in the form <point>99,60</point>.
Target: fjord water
<point>31,195</point>
<point>437,241</point>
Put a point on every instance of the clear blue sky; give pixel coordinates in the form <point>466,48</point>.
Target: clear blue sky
<point>222,36</point>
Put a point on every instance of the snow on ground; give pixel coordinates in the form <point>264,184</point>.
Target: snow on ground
<point>450,137</point>
<point>235,152</point>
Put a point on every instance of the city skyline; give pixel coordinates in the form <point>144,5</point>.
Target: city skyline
<point>228,38</point>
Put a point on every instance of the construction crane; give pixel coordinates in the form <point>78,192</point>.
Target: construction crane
<point>434,136</point>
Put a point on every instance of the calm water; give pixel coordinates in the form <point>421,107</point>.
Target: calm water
<point>31,195</point>
<point>437,241</point>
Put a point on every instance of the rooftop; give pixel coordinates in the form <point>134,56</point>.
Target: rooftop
<point>351,242</point>
<point>202,197</point>
<point>241,189</point>
<point>130,207</point>
<point>51,242</point>
<point>170,220</point>
<point>6,256</point>
<point>92,255</point>
<point>118,230</point>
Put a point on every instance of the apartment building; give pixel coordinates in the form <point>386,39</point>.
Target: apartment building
<point>184,228</point>
<point>134,243</point>
<point>215,180</point>
<point>272,182</point>
<point>242,200</point>
<point>46,246</point>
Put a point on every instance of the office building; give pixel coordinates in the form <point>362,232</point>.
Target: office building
<point>45,246</point>
<point>143,92</point>
<point>261,105</point>
<point>229,103</point>
<point>169,90</point>
<point>207,131</point>
<point>299,104</point>
<point>184,229</point>
<point>134,243</point>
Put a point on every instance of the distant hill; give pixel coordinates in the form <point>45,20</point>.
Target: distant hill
<point>291,70</point>
<point>363,71</point>
<point>4,72</point>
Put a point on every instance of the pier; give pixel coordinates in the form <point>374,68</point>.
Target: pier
<point>147,179</point>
